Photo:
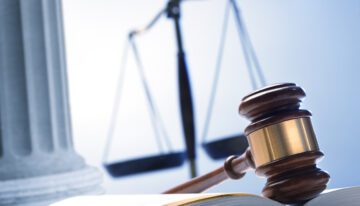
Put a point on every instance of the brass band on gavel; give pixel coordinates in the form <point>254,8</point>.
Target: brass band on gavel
<point>281,140</point>
<point>282,147</point>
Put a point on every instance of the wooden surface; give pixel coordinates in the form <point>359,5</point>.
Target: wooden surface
<point>237,167</point>
<point>272,104</point>
<point>291,179</point>
<point>294,178</point>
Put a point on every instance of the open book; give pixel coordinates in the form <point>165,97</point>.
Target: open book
<point>337,197</point>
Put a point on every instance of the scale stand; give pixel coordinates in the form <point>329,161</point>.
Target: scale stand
<point>218,149</point>
<point>186,102</point>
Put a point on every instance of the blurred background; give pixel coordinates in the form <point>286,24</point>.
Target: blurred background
<point>314,43</point>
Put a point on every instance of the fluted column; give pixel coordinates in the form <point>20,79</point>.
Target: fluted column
<point>35,134</point>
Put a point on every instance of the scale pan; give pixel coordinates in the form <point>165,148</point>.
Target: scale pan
<point>223,148</point>
<point>145,164</point>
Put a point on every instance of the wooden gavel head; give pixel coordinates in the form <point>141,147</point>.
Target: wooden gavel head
<point>282,143</point>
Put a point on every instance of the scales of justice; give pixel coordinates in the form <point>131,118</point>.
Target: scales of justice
<point>39,164</point>
<point>279,144</point>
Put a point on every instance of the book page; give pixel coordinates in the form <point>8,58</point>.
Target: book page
<point>125,200</point>
<point>345,197</point>
<point>205,198</point>
<point>133,200</point>
<point>236,199</point>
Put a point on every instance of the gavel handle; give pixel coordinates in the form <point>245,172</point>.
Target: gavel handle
<point>234,167</point>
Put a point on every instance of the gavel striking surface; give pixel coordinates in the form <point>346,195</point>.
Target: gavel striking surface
<point>293,178</point>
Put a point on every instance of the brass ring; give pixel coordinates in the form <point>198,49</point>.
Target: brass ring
<point>281,140</point>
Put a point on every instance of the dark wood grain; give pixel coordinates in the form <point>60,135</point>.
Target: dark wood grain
<point>238,168</point>
<point>296,178</point>
<point>270,100</point>
<point>292,179</point>
<point>279,117</point>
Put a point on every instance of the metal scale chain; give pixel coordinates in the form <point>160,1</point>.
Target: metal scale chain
<point>235,141</point>
<point>156,119</point>
<point>251,59</point>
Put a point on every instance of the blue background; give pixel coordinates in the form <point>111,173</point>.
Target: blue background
<point>314,43</point>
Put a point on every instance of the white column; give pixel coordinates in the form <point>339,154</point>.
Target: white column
<point>38,163</point>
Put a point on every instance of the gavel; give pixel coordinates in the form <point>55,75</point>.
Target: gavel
<point>282,147</point>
